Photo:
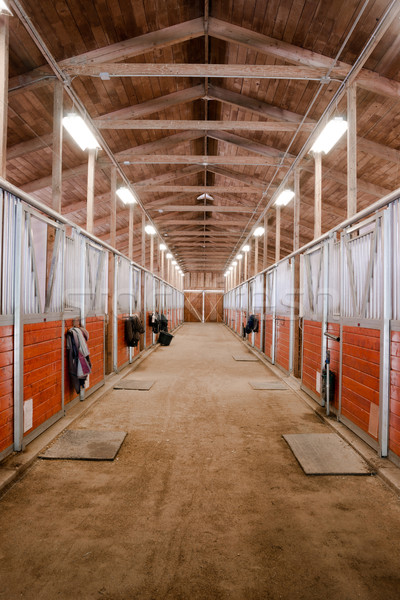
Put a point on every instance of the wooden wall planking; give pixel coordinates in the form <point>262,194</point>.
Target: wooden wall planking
<point>6,387</point>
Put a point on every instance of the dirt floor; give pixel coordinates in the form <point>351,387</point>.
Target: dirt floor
<point>205,500</point>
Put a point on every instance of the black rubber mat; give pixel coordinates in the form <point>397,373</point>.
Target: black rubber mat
<point>83,444</point>
<point>326,454</point>
<point>134,384</point>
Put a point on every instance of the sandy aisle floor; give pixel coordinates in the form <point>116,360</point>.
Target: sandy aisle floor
<point>205,500</point>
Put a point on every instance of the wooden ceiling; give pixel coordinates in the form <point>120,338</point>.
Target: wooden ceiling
<point>193,96</point>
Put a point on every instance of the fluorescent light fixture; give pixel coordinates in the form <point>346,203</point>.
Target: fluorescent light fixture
<point>231,268</point>
<point>150,229</point>
<point>205,197</point>
<point>4,10</point>
<point>174,262</point>
<point>80,132</point>
<point>234,263</point>
<point>163,247</point>
<point>330,135</point>
<point>176,267</point>
<point>169,255</point>
<point>284,198</point>
<point>258,232</point>
<point>226,274</point>
<point>126,195</point>
<point>246,248</point>
<point>239,256</point>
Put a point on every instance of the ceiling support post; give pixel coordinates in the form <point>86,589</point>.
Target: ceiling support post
<point>4,51</point>
<point>56,171</point>
<point>352,150</point>
<point>318,195</point>
<point>90,190</point>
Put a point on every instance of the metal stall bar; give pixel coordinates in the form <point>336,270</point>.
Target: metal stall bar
<point>18,328</point>
<point>384,404</point>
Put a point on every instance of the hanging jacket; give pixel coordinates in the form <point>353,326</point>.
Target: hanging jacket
<point>252,324</point>
<point>79,365</point>
<point>155,322</point>
<point>163,323</point>
<point>133,329</point>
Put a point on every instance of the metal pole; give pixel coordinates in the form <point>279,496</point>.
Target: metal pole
<point>18,330</point>
<point>384,404</point>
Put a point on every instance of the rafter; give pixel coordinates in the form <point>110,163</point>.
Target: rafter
<point>203,70</point>
<point>196,159</point>
<point>206,208</point>
<point>273,47</point>
<point>198,189</point>
<point>136,46</point>
<point>265,126</point>
<point>253,181</point>
<point>151,106</point>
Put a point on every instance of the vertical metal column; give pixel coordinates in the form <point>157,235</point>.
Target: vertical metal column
<point>273,353</point>
<point>18,330</point>
<point>291,339</point>
<point>384,404</point>
<point>325,285</point>
<point>115,315</point>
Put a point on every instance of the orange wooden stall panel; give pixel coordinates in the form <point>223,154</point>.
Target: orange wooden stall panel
<point>257,334</point>
<point>360,378</point>
<point>334,367</point>
<point>268,325</point>
<point>95,328</point>
<point>283,342</point>
<point>122,348</point>
<point>149,331</point>
<point>312,348</point>
<point>43,370</point>
<point>6,387</point>
<point>394,416</point>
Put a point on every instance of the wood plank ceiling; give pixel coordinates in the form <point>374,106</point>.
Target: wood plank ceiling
<point>211,96</point>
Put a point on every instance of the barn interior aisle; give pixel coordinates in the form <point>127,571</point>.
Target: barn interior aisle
<point>204,501</point>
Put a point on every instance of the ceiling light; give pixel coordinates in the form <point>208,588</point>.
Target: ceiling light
<point>246,248</point>
<point>150,229</point>
<point>226,274</point>
<point>205,197</point>
<point>169,255</point>
<point>80,132</point>
<point>239,256</point>
<point>4,10</point>
<point>174,262</point>
<point>331,134</point>
<point>234,263</point>
<point>259,231</point>
<point>176,267</point>
<point>284,198</point>
<point>126,195</point>
<point>163,247</point>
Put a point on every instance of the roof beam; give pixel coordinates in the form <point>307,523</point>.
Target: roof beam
<point>197,189</point>
<point>149,107</point>
<point>204,208</point>
<point>265,126</point>
<point>160,179</point>
<point>246,71</point>
<point>222,223</point>
<point>368,80</point>
<point>253,181</point>
<point>197,159</point>
<point>136,46</point>
<point>253,105</point>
